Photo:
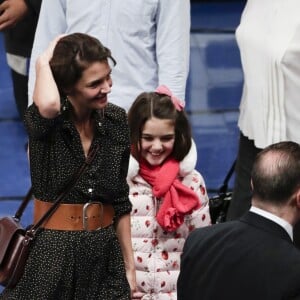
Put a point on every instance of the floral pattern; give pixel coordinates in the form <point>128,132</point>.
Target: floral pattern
<point>157,252</point>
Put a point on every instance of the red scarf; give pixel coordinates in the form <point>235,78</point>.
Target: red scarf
<point>179,200</point>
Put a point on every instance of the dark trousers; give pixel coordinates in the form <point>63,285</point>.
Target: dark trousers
<point>20,87</point>
<point>241,198</point>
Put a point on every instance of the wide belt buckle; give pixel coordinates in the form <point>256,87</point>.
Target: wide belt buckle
<point>85,218</point>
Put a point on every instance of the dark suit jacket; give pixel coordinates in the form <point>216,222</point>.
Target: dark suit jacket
<point>249,259</point>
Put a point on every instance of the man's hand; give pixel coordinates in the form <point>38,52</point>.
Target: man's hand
<point>11,12</point>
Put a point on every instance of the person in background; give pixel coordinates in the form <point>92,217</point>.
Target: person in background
<point>18,20</point>
<point>168,195</point>
<point>268,38</point>
<point>253,257</point>
<point>71,116</point>
<point>150,40</point>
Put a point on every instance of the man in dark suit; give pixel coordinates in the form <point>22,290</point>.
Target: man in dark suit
<point>252,258</point>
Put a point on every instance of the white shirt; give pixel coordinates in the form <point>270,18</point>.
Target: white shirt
<point>149,39</point>
<point>269,42</point>
<point>281,222</point>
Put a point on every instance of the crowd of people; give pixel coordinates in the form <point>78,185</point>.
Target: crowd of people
<point>110,77</point>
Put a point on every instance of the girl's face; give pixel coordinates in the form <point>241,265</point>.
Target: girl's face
<point>91,90</point>
<point>157,140</point>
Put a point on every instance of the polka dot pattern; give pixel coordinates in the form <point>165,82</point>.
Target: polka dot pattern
<point>76,264</point>
<point>73,265</point>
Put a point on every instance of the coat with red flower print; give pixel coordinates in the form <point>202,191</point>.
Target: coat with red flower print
<point>157,252</point>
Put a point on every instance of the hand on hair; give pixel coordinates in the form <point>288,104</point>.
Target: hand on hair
<point>46,56</point>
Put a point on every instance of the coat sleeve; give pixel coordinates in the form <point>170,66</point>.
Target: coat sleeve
<point>201,216</point>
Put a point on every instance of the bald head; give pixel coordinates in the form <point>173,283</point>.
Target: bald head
<point>276,173</point>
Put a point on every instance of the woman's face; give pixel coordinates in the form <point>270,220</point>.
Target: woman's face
<point>157,140</point>
<point>91,90</point>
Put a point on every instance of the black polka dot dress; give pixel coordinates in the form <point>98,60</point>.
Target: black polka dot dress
<point>77,264</point>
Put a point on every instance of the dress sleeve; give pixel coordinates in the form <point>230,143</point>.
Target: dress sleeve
<point>36,125</point>
<point>201,216</point>
<point>122,204</point>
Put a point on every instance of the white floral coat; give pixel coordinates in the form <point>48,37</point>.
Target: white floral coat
<point>156,252</point>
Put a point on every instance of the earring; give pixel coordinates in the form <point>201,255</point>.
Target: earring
<point>65,102</point>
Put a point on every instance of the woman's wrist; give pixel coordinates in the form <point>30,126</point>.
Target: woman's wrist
<point>42,61</point>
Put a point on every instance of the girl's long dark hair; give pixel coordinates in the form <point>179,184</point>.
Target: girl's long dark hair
<point>148,105</point>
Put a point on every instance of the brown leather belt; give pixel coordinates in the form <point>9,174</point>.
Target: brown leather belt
<point>89,216</point>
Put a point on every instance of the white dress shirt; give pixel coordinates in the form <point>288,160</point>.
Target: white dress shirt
<point>148,38</point>
<point>269,42</point>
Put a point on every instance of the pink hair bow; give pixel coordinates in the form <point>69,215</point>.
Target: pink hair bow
<point>164,90</point>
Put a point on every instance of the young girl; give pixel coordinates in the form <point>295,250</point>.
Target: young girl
<point>168,195</point>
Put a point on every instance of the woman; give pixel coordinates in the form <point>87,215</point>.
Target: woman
<point>268,37</point>
<point>70,115</point>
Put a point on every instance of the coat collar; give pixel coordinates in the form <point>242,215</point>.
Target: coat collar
<point>186,166</point>
<point>265,224</point>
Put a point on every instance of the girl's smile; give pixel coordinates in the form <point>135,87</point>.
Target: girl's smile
<point>157,140</point>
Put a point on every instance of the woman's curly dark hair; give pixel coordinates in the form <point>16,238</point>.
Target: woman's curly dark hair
<point>72,55</point>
